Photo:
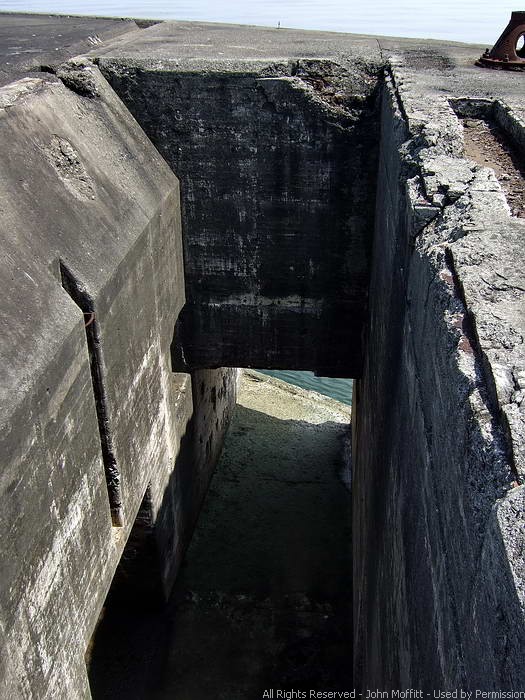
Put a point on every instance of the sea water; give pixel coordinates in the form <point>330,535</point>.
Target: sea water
<point>473,21</point>
<point>340,389</point>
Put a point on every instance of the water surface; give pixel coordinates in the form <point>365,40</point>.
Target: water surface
<point>340,389</point>
<point>470,21</point>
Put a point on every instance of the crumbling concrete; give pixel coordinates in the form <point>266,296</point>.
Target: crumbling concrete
<point>438,591</point>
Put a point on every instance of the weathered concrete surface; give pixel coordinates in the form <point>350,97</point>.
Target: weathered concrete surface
<point>55,498</point>
<point>84,196</point>
<point>29,41</point>
<point>281,127</point>
<point>444,350</point>
<point>439,419</point>
<point>277,160</point>
<point>438,425</point>
<point>211,395</point>
<point>263,599</point>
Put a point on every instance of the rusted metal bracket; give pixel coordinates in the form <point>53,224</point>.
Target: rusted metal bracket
<point>507,53</point>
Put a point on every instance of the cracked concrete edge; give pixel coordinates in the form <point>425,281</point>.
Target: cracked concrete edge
<point>354,81</point>
<point>461,217</point>
<point>253,66</point>
<point>459,206</point>
<point>79,75</point>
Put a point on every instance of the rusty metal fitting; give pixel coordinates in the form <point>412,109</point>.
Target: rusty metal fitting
<point>507,53</point>
<point>88,321</point>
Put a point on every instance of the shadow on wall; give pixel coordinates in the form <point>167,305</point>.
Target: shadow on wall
<point>264,596</point>
<point>126,655</point>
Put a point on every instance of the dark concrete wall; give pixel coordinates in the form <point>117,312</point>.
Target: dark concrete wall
<point>213,390</point>
<point>203,404</point>
<point>277,166</point>
<point>206,400</point>
<point>437,507</point>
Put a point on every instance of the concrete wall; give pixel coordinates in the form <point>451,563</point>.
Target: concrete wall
<point>438,512</point>
<point>106,447</point>
<point>90,219</point>
<point>209,398</point>
<point>277,164</point>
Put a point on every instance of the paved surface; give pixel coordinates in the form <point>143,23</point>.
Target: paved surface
<point>205,40</point>
<point>28,41</point>
<point>263,599</point>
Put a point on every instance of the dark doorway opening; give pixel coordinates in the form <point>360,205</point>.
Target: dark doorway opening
<point>126,653</point>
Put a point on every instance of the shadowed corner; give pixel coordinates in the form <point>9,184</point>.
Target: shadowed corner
<point>263,598</point>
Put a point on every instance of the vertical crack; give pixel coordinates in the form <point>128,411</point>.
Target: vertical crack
<point>84,301</point>
<point>487,386</point>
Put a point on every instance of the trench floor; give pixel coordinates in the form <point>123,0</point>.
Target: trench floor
<point>487,144</point>
<point>263,598</point>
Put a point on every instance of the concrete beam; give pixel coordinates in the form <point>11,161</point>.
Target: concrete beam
<point>276,151</point>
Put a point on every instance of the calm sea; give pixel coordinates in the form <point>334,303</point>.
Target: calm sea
<point>475,21</point>
<point>340,389</point>
<point>472,21</point>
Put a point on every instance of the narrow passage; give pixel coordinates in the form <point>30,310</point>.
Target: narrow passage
<point>264,597</point>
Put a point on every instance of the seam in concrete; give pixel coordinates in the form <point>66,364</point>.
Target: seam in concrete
<point>487,385</point>
<point>390,80</point>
